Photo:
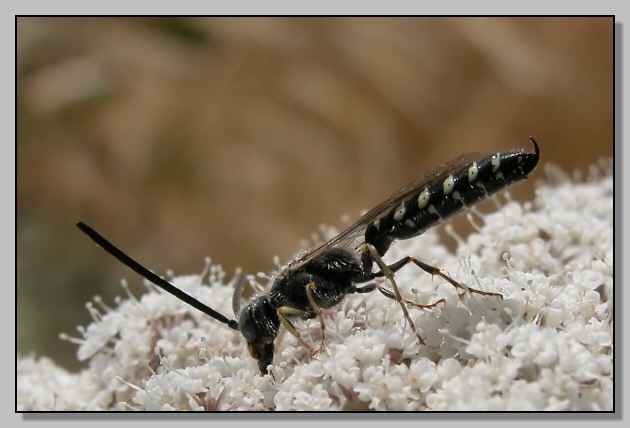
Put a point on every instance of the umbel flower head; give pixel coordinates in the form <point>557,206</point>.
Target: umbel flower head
<point>547,345</point>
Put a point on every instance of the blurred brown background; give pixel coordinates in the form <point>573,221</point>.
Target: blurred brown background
<point>234,138</point>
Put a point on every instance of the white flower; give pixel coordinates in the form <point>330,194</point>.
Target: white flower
<point>547,345</point>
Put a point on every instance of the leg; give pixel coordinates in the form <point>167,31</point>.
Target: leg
<point>389,273</point>
<point>436,271</point>
<point>394,267</point>
<point>368,288</point>
<point>286,310</point>
<point>387,293</point>
<point>309,293</point>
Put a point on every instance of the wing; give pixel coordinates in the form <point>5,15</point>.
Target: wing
<point>353,236</point>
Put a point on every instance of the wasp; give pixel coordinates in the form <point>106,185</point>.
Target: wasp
<point>351,262</point>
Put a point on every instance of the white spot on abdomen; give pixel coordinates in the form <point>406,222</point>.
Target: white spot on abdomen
<point>448,185</point>
<point>423,198</point>
<point>473,172</point>
<point>496,162</point>
<point>400,212</point>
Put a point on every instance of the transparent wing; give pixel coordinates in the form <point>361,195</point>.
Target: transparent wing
<point>353,236</point>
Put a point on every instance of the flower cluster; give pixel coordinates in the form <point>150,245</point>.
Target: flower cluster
<point>547,345</point>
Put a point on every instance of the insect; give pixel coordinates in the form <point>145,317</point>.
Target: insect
<point>322,277</point>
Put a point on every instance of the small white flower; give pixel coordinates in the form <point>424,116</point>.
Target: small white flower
<point>546,346</point>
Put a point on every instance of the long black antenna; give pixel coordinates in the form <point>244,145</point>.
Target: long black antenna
<point>146,273</point>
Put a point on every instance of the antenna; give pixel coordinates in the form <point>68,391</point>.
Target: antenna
<point>155,279</point>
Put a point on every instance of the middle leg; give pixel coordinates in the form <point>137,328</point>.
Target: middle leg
<point>386,271</point>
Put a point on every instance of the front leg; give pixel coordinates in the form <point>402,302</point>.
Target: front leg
<point>310,288</point>
<point>285,311</point>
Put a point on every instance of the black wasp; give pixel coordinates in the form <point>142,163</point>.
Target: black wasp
<point>321,278</point>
